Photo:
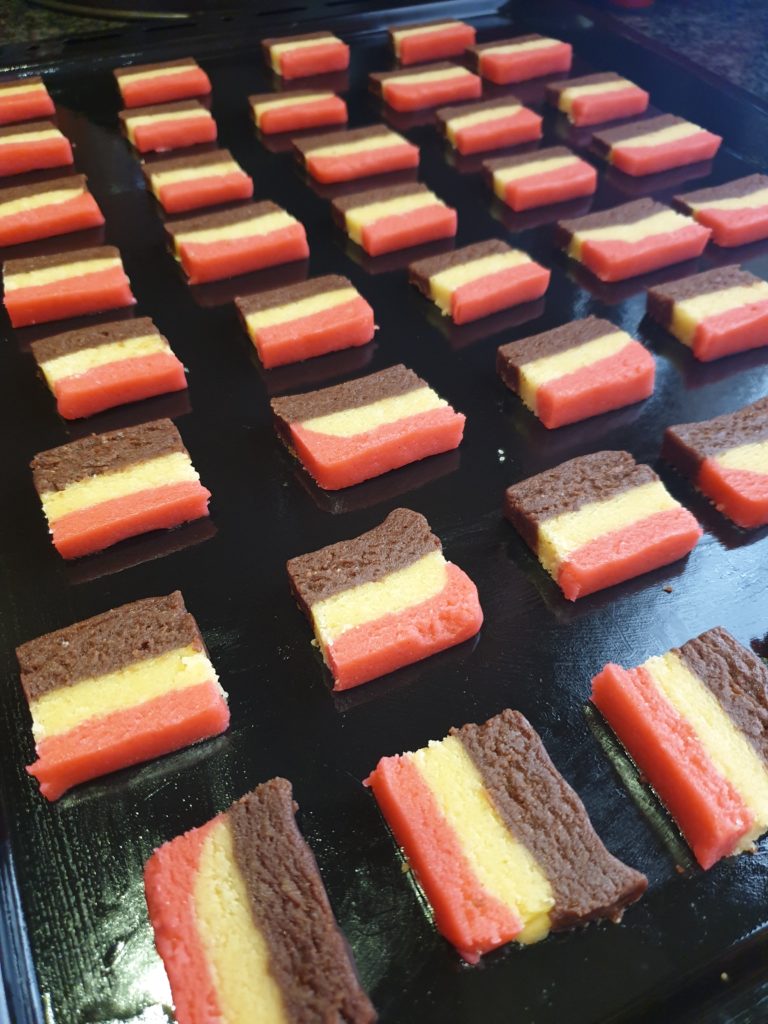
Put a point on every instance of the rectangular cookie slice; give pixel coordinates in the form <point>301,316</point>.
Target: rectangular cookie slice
<point>324,314</point>
<point>385,599</point>
<point>598,520</point>
<point>98,368</point>
<point>355,153</point>
<point>520,58</point>
<point>313,53</point>
<point>430,40</point>
<point>716,313</point>
<point>351,432</point>
<point>123,687</point>
<point>143,84</point>
<point>24,99</point>
<point>579,370</point>
<point>384,220</point>
<point>168,126</point>
<point>479,279</point>
<point>35,146</point>
<point>499,843</point>
<point>182,183</point>
<point>631,239</point>
<point>693,721</point>
<point>726,458</point>
<point>291,112</point>
<point>43,288</point>
<point>489,124</point>
<point>592,99</point>
<point>425,87</point>
<point>212,246</point>
<point>551,175</point>
<point>736,212</point>
<point>47,208</point>
<point>103,488</point>
<point>243,924</point>
<point>657,144</point>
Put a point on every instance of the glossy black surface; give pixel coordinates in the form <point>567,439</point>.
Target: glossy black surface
<point>79,861</point>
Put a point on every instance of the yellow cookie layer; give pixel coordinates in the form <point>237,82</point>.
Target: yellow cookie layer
<point>360,145</point>
<point>61,195</point>
<point>443,285</point>
<point>175,468</point>
<point>505,868</point>
<point>750,202</point>
<point>85,359</point>
<point>132,123</point>
<point>361,216</point>
<point>304,307</point>
<point>729,750</point>
<point>236,951</point>
<point>531,44</point>
<point>547,368</point>
<point>671,134</point>
<point>421,30</point>
<point>278,49</point>
<point>18,90</point>
<point>349,422</point>
<point>289,101</point>
<point>158,179</point>
<point>417,77</point>
<point>22,138</point>
<point>751,457</point>
<point>457,124</point>
<point>503,176</point>
<point>242,229</point>
<point>142,76</point>
<point>689,313</point>
<point>49,275</point>
<point>575,92</point>
<point>656,224</point>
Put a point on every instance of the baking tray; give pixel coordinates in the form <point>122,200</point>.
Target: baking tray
<point>71,888</point>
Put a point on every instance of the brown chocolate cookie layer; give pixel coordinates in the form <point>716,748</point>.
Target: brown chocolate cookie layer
<point>515,354</point>
<point>22,129</point>
<point>604,141</point>
<point>396,380</point>
<point>91,337</point>
<point>134,69</point>
<point>308,955</point>
<point>627,213</point>
<point>358,200</point>
<point>544,814</point>
<point>421,271</point>
<point>688,444</point>
<point>59,259</point>
<point>309,143</point>
<point>106,643</point>
<point>181,163</point>
<point>445,114</point>
<point>67,181</point>
<point>731,190</point>
<point>222,218</point>
<point>57,468</point>
<point>663,297</point>
<point>291,293</point>
<point>160,109</point>
<point>14,83</point>
<point>555,88</point>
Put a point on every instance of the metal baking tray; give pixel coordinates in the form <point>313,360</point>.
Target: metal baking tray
<point>71,898</point>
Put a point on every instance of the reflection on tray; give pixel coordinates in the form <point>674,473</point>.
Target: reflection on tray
<point>60,243</point>
<point>162,406</point>
<point>472,163</point>
<point>726,532</point>
<point>720,256</point>
<point>348,188</point>
<point>528,219</point>
<point>694,372</point>
<point>314,373</point>
<point>282,142</point>
<point>334,81</point>
<point>405,121</point>
<point>532,93</point>
<point>398,260</point>
<point>460,336</point>
<point>613,293</point>
<point>219,293</point>
<point>26,335</point>
<point>653,184</point>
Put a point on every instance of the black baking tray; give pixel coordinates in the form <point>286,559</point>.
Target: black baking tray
<point>71,897</point>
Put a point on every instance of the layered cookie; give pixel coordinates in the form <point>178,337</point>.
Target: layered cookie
<point>579,370</point>
<point>47,208</point>
<point>736,213</point>
<point>118,689</point>
<point>716,313</point>
<point>313,53</point>
<point>489,124</point>
<point>594,98</point>
<point>142,84</point>
<point>32,147</point>
<point>324,314</point>
<point>520,58</point>
<point>430,40</point>
<point>355,153</point>
<point>103,488</point>
<point>598,520</point>
<point>693,721</point>
<point>552,175</point>
<point>24,99</point>
<point>386,599</point>
<point>43,288</point>
<point>499,843</point>
<point>386,219</point>
<point>479,279</point>
<point>97,368</point>
<point>181,183</point>
<point>726,458</point>
<point>168,126</point>
<point>243,923</point>
<point>223,244</point>
<point>425,87</point>
<point>291,112</point>
<point>657,144</point>
<point>631,239</point>
<point>360,429</point>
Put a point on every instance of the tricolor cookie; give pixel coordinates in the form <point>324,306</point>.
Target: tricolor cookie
<point>118,689</point>
<point>631,239</point>
<point>693,721</point>
<point>168,126</point>
<point>726,458</point>
<point>595,98</point>
<point>223,244</point>
<point>499,843</point>
<point>386,599</point>
<point>143,84</point>
<point>552,175</point>
<point>658,144</point>
<point>479,279</point>
<point>518,59</point>
<point>430,40</point>
<point>47,208</point>
<point>103,488</point>
<point>489,124</point>
<point>355,153</point>
<point>386,219</point>
<point>716,313</point>
<point>598,520</point>
<point>579,370</point>
<point>43,288</point>
<point>425,87</point>
<point>737,212</point>
<point>291,112</point>
<point>243,923</point>
<point>324,314</point>
<point>97,368</point>
<point>23,99</point>
<point>181,183</point>
<point>360,429</point>
<point>314,53</point>
<point>32,147</point>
